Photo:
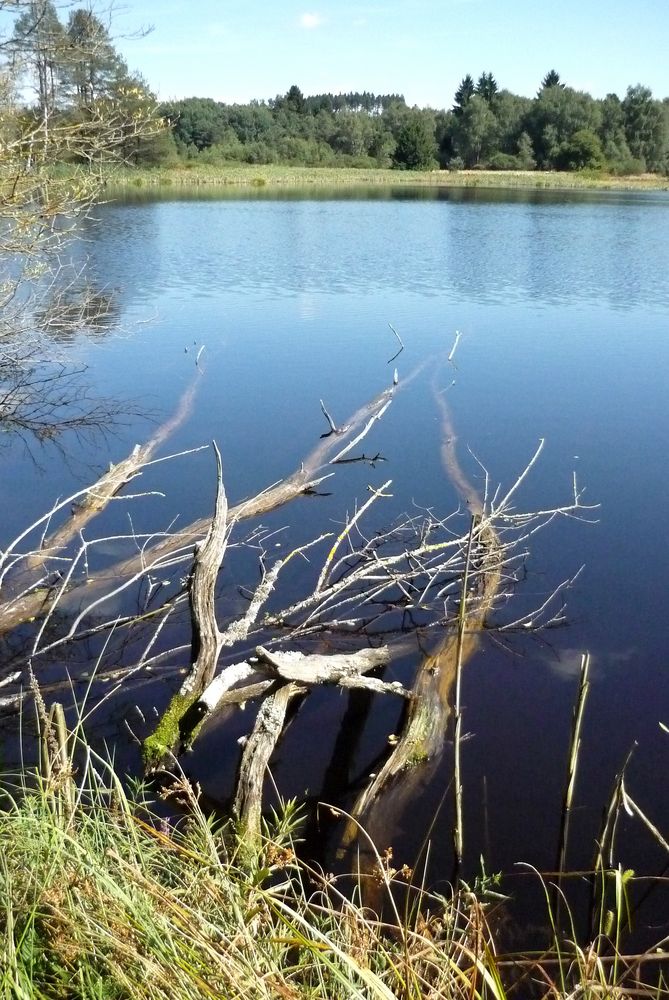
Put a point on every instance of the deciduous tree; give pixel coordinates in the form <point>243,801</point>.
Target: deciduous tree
<point>475,131</point>
<point>40,211</point>
<point>644,127</point>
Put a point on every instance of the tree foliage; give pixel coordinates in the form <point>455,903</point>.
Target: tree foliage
<point>645,127</point>
<point>475,131</point>
<point>84,110</point>
<point>463,94</point>
<point>552,79</point>
<point>487,126</point>
<point>486,87</point>
<point>415,149</point>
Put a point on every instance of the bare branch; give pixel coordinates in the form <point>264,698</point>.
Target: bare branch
<point>390,360</point>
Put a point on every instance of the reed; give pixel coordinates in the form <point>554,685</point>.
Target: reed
<point>104,899</point>
<point>192,176</point>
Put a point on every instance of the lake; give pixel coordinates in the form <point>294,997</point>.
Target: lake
<point>562,300</point>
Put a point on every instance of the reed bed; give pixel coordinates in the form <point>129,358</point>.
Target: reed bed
<point>273,175</point>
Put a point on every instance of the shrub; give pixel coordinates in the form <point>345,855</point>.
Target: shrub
<point>503,161</point>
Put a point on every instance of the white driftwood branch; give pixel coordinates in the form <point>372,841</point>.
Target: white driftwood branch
<point>344,669</point>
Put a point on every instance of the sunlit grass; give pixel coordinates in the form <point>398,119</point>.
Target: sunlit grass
<point>272,175</point>
<point>101,899</point>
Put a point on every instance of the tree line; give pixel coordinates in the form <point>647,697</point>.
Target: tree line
<point>73,67</point>
<point>487,127</point>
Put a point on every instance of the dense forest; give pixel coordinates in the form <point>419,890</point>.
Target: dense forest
<point>77,67</point>
<point>559,129</point>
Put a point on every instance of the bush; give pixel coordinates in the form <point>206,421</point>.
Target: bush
<point>583,151</point>
<point>626,167</point>
<point>259,152</point>
<point>503,161</point>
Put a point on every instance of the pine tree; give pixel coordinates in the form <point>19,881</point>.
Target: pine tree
<point>486,88</point>
<point>463,94</point>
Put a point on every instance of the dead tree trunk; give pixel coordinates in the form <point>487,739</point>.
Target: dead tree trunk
<point>420,745</point>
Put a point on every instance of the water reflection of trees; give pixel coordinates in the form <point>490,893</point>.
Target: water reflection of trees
<point>42,399</point>
<point>79,309</point>
<point>43,390</point>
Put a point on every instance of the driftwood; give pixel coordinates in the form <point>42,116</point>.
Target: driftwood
<point>206,638</point>
<point>364,590</point>
<point>23,594</point>
<point>31,592</point>
<point>345,669</point>
<point>436,692</point>
<point>185,713</point>
<point>258,750</point>
<point>301,672</point>
<point>385,573</point>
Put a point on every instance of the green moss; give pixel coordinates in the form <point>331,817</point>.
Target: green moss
<point>416,757</point>
<point>167,733</point>
<point>421,726</point>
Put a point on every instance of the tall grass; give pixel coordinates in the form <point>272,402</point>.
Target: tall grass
<point>102,899</point>
<point>105,900</point>
<point>193,175</point>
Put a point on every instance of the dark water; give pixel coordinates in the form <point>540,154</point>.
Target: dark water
<point>563,302</point>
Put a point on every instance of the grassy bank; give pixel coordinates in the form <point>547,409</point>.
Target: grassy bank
<point>101,899</point>
<point>271,176</point>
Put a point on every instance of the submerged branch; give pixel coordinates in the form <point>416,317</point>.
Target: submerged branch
<point>26,597</point>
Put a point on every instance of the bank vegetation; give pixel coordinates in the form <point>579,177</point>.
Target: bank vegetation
<point>197,178</point>
<point>104,897</point>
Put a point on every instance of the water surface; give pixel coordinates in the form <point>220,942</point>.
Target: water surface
<point>563,303</point>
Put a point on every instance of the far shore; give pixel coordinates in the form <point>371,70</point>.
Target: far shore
<point>274,176</point>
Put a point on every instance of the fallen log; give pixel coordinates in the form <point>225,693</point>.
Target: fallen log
<point>183,717</point>
<point>256,756</point>
<point>24,594</point>
<point>419,747</point>
<point>296,673</point>
<point>33,596</point>
<point>240,682</point>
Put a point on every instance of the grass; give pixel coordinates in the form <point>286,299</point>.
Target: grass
<point>274,176</point>
<point>102,899</point>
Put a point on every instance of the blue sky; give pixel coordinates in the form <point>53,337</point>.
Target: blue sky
<point>234,51</point>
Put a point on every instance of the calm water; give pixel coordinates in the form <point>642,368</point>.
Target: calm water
<point>563,301</point>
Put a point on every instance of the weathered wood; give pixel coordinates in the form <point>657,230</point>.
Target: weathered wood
<point>313,471</point>
<point>311,668</point>
<point>34,598</point>
<point>418,749</point>
<point>255,760</point>
<point>25,598</point>
<point>206,639</point>
<point>343,669</point>
<point>300,671</point>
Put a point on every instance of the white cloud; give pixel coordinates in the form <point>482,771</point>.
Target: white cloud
<point>310,21</point>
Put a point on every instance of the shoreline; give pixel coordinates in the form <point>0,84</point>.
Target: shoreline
<point>275,176</point>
